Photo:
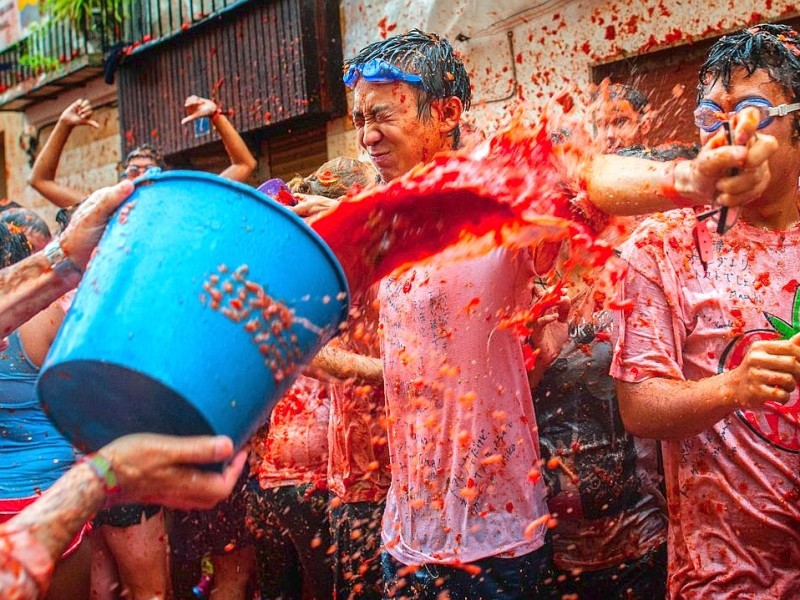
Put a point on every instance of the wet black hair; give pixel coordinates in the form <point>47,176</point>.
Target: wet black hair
<point>64,215</point>
<point>774,48</point>
<point>663,152</point>
<point>145,151</point>
<point>25,218</point>
<point>433,59</point>
<point>6,204</point>
<point>620,91</point>
<point>14,246</point>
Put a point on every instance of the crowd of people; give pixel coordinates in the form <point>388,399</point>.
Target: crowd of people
<point>641,448</point>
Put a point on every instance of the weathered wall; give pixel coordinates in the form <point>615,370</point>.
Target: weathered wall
<point>556,42</point>
<point>90,158</point>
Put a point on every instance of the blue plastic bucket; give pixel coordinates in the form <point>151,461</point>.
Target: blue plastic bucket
<point>175,328</point>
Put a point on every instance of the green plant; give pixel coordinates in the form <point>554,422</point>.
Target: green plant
<point>37,62</point>
<point>80,12</point>
<point>35,53</point>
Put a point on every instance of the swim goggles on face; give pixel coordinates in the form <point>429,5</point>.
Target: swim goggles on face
<point>708,116</point>
<point>378,70</point>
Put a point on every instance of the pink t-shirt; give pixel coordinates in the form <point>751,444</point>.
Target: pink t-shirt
<point>294,448</point>
<point>358,460</point>
<point>733,490</point>
<point>462,432</point>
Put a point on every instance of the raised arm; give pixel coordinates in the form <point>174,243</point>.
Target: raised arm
<point>43,175</point>
<point>242,161</point>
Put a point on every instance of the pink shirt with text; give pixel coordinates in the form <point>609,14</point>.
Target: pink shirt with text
<point>733,490</point>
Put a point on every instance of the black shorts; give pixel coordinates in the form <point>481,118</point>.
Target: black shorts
<point>217,531</point>
<point>125,515</point>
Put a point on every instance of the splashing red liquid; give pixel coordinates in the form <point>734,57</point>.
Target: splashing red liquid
<point>510,186</point>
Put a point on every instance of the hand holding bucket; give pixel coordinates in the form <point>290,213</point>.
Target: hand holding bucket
<point>204,300</point>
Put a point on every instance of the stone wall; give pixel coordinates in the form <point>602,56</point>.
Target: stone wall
<point>91,156</point>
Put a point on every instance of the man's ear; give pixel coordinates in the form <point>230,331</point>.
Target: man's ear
<point>450,110</point>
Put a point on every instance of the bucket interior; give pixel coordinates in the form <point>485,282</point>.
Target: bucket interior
<point>104,390</point>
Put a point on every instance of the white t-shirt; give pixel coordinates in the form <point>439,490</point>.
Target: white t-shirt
<point>461,426</point>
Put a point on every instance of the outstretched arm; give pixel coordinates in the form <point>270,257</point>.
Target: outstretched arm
<point>242,161</point>
<point>43,175</point>
<point>145,467</point>
<point>620,185</point>
<point>30,285</point>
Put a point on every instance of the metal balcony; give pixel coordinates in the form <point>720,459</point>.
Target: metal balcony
<point>62,54</point>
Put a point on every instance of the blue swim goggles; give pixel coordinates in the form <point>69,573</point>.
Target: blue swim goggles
<point>378,70</point>
<point>708,116</point>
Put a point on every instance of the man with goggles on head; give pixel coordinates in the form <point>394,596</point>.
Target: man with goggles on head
<point>140,160</point>
<point>409,94</point>
<point>709,352</point>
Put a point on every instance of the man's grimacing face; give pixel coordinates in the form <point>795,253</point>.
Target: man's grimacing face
<point>783,165</point>
<point>390,130</point>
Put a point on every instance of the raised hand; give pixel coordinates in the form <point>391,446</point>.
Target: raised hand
<point>79,113</point>
<point>197,107</point>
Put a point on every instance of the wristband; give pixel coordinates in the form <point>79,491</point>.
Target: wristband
<point>216,114</point>
<point>58,260</point>
<point>667,187</point>
<point>102,468</point>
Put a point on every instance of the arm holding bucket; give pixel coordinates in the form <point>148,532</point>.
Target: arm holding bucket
<point>242,161</point>
<point>43,175</point>
<point>134,468</point>
<point>29,286</point>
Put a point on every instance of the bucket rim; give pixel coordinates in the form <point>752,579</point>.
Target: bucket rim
<point>265,199</point>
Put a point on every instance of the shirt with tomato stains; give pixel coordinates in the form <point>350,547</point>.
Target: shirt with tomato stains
<point>358,464</point>
<point>358,458</point>
<point>25,565</point>
<point>734,490</point>
<point>293,449</point>
<point>462,433</point>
